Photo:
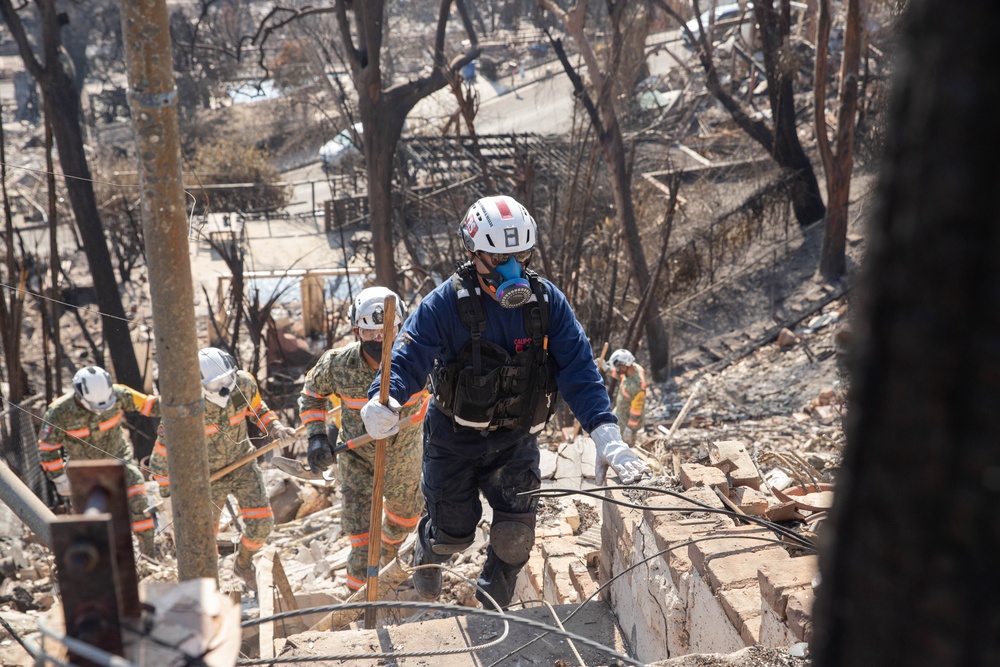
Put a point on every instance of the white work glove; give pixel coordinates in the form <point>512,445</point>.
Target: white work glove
<point>381,421</point>
<point>627,434</point>
<point>281,432</point>
<point>62,485</point>
<point>614,453</point>
<point>602,365</point>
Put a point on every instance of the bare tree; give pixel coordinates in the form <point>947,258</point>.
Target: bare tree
<point>604,116</point>
<point>837,163</point>
<point>61,98</point>
<point>382,108</point>
<point>781,139</point>
<point>909,572</point>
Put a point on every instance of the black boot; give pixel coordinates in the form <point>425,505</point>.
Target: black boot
<point>427,582</point>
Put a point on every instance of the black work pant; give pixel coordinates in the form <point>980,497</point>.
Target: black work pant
<point>454,475</point>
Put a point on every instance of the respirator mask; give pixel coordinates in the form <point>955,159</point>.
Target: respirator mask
<point>506,278</point>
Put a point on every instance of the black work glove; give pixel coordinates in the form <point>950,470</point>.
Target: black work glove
<point>321,455</point>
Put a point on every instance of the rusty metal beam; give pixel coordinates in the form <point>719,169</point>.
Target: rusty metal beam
<point>85,569</point>
<point>153,101</point>
<point>26,505</point>
<point>99,486</point>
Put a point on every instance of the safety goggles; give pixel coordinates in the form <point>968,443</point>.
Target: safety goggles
<point>500,258</point>
<point>373,334</point>
<point>219,385</point>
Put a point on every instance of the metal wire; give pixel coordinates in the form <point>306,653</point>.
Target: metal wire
<point>412,654</point>
<point>629,569</point>
<point>803,542</point>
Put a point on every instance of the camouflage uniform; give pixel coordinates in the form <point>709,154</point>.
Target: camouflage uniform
<point>71,431</point>
<point>630,405</point>
<point>344,373</point>
<point>226,433</point>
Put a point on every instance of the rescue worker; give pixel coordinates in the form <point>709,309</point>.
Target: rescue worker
<point>86,423</point>
<point>630,402</point>
<point>499,342</point>
<point>231,396</point>
<point>347,373</point>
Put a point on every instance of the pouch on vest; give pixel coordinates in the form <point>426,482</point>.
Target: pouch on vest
<point>476,396</point>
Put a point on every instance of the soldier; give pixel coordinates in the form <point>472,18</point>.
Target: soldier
<point>499,343</point>
<point>347,372</point>
<point>630,404</point>
<point>86,424</point>
<point>231,396</point>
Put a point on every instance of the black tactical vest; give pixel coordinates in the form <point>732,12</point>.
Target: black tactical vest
<point>485,387</point>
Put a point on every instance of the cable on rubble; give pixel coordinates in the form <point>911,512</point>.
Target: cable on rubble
<point>412,654</point>
<point>632,567</point>
<point>799,540</point>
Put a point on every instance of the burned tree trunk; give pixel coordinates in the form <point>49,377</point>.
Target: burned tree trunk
<point>909,574</point>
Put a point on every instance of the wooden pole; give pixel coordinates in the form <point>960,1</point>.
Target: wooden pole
<point>153,101</point>
<point>375,524</point>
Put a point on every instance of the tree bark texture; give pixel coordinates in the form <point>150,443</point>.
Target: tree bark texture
<point>838,161</point>
<point>63,97</point>
<point>909,573</point>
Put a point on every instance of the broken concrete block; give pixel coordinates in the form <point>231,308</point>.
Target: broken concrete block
<point>584,581</point>
<point>778,579</point>
<point>742,471</point>
<point>742,557</point>
<point>742,607</point>
<point>783,512</point>
<point>798,611</point>
<point>750,501</point>
<point>693,475</point>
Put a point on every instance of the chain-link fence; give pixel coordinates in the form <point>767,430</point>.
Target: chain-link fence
<point>20,447</point>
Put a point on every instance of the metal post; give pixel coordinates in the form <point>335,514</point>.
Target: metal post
<point>26,505</point>
<point>153,101</point>
<point>312,186</point>
<point>100,485</point>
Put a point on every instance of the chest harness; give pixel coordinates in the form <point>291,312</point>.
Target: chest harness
<point>486,388</point>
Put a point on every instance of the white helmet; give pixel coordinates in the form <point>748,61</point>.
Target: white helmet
<point>93,388</point>
<point>498,225</point>
<point>621,357</point>
<point>218,374</point>
<point>368,308</point>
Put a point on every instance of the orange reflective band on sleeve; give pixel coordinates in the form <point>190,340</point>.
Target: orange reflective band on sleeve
<point>309,392</point>
<point>311,416</point>
<point>387,540</point>
<point>237,418</point>
<point>268,417</point>
<point>354,403</point>
<point>406,522</point>
<point>139,526</point>
<point>160,449</point>
<point>162,480</point>
<point>635,413</point>
<point>48,446</point>
<point>79,433</point>
<point>109,424</point>
<point>147,407</point>
<point>360,540</point>
<point>212,430</point>
<point>257,512</point>
<point>252,546</point>
<point>352,583</point>
<point>135,490</point>
<point>632,423</point>
<point>52,466</point>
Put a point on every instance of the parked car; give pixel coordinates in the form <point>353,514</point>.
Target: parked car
<point>333,153</point>
<point>722,13</point>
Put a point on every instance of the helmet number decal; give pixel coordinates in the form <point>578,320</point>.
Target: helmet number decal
<point>510,237</point>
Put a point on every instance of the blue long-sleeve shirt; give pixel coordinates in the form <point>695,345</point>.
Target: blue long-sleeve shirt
<point>435,331</point>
